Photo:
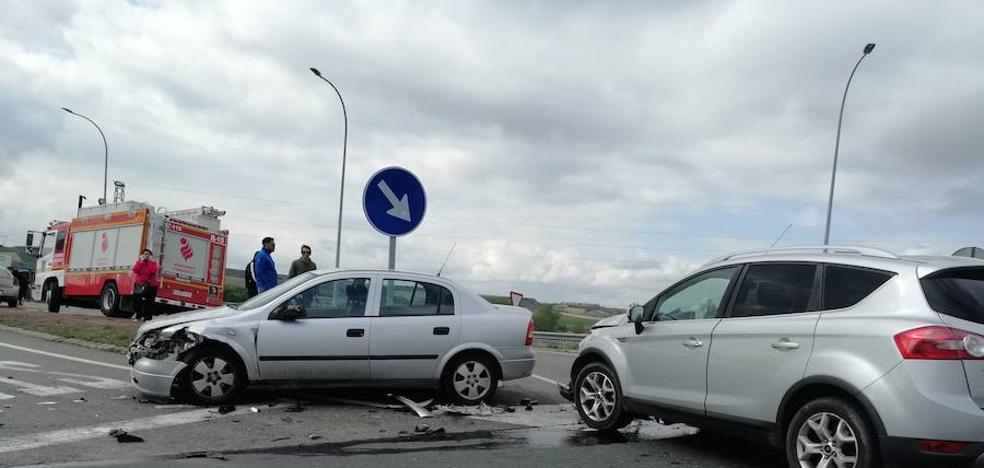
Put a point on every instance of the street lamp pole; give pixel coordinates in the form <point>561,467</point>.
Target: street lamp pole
<point>105,149</point>
<point>341,196</point>
<point>833,175</point>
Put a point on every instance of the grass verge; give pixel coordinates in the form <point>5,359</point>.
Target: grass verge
<point>102,330</point>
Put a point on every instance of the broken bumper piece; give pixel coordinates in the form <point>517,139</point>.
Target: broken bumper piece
<point>566,392</point>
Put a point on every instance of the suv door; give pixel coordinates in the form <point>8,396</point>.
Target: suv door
<point>331,343</point>
<point>415,326</point>
<point>667,362</point>
<point>762,346</point>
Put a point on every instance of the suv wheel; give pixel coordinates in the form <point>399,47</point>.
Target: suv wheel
<point>598,398</point>
<point>829,432</point>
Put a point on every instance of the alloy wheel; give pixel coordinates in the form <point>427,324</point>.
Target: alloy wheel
<point>597,396</point>
<point>825,440</point>
<point>472,380</point>
<point>212,377</point>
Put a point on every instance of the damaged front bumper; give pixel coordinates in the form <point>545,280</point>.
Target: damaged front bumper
<point>155,378</point>
<point>566,392</point>
<point>155,358</point>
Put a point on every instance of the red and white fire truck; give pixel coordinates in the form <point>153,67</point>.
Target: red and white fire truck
<point>87,261</point>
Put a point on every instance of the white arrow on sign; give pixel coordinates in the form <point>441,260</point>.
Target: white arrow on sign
<point>401,207</point>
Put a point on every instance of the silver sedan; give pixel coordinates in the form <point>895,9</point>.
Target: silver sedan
<point>339,329</point>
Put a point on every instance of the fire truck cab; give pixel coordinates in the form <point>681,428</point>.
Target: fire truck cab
<point>87,261</point>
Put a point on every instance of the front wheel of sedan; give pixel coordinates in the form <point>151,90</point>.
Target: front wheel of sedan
<point>214,376</point>
<point>598,398</point>
<point>830,432</point>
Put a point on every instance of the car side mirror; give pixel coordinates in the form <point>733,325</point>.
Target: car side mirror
<point>288,312</point>
<point>636,313</point>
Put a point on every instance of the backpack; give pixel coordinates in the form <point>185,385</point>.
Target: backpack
<point>250,277</point>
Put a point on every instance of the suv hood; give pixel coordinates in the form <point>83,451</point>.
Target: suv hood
<point>187,317</point>
<point>613,321</point>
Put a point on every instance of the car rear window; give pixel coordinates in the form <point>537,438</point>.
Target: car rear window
<point>958,293</point>
<point>845,286</point>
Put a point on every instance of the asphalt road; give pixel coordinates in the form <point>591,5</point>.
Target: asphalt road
<point>59,403</point>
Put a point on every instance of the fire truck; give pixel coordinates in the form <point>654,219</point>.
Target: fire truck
<point>87,261</point>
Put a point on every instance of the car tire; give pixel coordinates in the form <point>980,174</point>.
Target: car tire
<point>470,379</point>
<point>52,295</point>
<point>214,376</point>
<point>109,300</point>
<point>827,430</point>
<point>12,304</point>
<point>598,397</point>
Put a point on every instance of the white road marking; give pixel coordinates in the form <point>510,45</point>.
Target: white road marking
<point>544,379</point>
<point>90,381</point>
<point>62,356</point>
<point>4,396</point>
<point>64,436</point>
<point>39,390</point>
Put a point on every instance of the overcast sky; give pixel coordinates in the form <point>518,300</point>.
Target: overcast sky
<point>573,151</point>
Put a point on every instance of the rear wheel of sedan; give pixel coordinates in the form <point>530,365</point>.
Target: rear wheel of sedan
<point>598,398</point>
<point>470,379</point>
<point>830,432</point>
<point>214,376</point>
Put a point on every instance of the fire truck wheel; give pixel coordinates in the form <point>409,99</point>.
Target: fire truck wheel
<point>52,295</point>
<point>109,300</point>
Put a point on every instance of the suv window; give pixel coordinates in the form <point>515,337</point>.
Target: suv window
<point>775,289</point>
<point>845,286</point>
<point>958,293</point>
<point>333,299</point>
<point>409,298</point>
<point>696,298</point>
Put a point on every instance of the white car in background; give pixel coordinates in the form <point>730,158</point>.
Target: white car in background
<point>339,329</point>
<point>9,287</point>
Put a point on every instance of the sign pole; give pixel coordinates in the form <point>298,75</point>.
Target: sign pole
<point>392,262</point>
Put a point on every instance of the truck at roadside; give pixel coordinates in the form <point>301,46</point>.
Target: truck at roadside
<point>87,261</point>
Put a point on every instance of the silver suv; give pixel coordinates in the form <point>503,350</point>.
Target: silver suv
<point>846,357</point>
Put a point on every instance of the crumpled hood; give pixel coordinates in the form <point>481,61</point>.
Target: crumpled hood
<point>187,317</point>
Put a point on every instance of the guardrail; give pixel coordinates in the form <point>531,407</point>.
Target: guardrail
<point>565,338</point>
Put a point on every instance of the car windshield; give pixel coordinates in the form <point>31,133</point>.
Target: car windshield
<point>271,294</point>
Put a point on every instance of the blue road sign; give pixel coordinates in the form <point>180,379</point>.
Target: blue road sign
<point>394,201</point>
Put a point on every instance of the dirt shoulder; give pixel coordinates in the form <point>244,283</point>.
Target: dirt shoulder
<point>102,330</point>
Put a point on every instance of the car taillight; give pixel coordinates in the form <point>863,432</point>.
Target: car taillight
<point>940,343</point>
<point>529,334</point>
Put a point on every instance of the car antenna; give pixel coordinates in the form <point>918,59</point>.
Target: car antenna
<point>446,259</point>
<point>780,235</point>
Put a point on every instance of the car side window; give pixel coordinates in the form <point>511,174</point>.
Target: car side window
<point>334,299</point>
<point>697,298</point>
<point>775,289</point>
<point>403,298</point>
<point>844,286</point>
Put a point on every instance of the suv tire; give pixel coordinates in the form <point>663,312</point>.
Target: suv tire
<point>598,388</point>
<point>830,429</point>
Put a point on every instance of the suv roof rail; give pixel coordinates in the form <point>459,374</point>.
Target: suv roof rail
<point>820,249</point>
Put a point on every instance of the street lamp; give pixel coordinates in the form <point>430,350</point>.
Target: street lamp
<point>341,196</point>
<point>833,175</point>
<point>105,148</point>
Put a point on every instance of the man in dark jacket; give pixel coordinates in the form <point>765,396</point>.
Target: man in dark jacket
<point>264,269</point>
<point>302,264</point>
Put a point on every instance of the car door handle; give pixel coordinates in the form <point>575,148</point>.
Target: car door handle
<point>442,330</point>
<point>355,333</point>
<point>693,343</point>
<point>785,345</point>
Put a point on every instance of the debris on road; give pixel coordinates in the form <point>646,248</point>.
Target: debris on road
<point>123,437</point>
<point>370,404</point>
<point>121,397</point>
<point>421,428</point>
<point>480,410</point>
<point>226,409</point>
<point>314,437</point>
<point>255,409</point>
<point>296,407</point>
<point>42,403</point>
<point>422,412</point>
<point>278,439</point>
<point>81,399</point>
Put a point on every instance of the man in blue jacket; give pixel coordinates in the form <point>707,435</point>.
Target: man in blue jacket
<point>263,266</point>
